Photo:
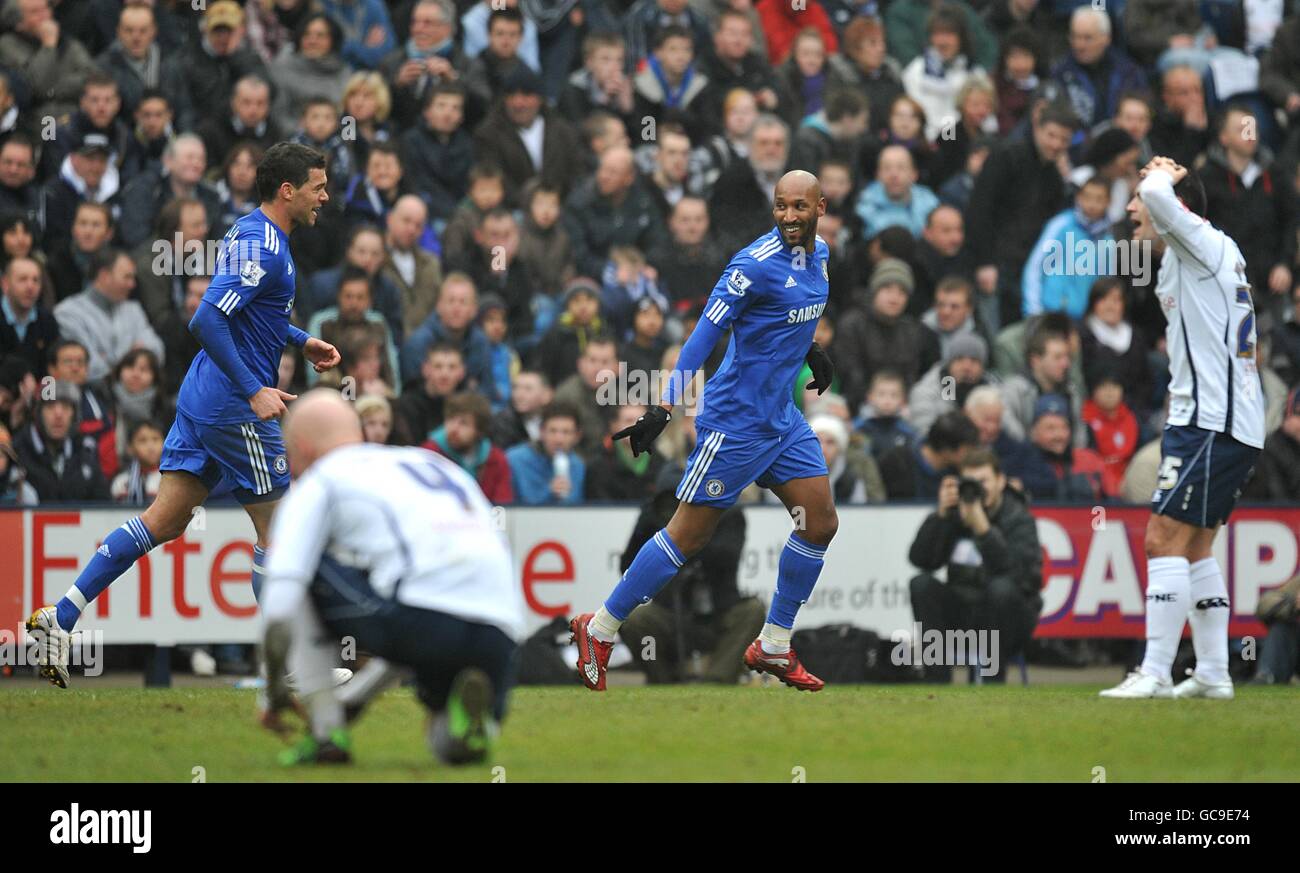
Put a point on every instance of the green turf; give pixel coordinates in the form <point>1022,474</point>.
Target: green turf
<point>684,733</point>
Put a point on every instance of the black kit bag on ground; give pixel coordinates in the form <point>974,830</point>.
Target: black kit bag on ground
<point>838,653</point>
<point>540,658</point>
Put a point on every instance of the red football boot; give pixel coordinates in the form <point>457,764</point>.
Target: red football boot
<point>785,666</point>
<point>593,655</point>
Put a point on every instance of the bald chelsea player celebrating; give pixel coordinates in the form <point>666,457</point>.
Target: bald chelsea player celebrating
<point>749,430</point>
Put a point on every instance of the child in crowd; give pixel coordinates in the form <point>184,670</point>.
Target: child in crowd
<point>505,360</point>
<point>644,349</point>
<point>881,417</point>
<point>463,437</point>
<point>544,245</point>
<point>487,191</point>
<point>627,280</point>
<point>1113,429</point>
<point>319,128</point>
<point>376,415</point>
<point>138,484</point>
<point>1066,260</point>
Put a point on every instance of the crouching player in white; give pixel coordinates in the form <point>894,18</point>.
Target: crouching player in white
<point>397,549</point>
<point>1213,435</point>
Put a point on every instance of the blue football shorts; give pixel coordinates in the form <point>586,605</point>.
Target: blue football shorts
<point>1201,475</point>
<point>722,466</point>
<point>248,457</point>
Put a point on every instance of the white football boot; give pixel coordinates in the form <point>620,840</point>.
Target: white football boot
<point>1193,686</point>
<point>1138,686</point>
<point>53,645</point>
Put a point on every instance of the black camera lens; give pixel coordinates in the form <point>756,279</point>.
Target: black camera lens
<point>970,491</point>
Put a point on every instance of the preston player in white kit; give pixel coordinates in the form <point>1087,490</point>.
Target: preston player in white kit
<point>398,549</point>
<point>1213,435</point>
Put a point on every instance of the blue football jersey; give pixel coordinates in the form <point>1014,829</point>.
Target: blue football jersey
<point>254,287</point>
<point>771,297</point>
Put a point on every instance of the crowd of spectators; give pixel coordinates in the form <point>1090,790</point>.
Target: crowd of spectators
<point>531,199</point>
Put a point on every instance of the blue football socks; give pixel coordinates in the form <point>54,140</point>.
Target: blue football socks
<point>797,572</point>
<point>120,549</point>
<point>656,563</point>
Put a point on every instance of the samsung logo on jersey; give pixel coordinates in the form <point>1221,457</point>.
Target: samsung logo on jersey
<point>806,313</point>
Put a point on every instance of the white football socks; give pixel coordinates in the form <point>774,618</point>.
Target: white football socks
<point>604,626</point>
<point>1168,586</point>
<point>775,640</point>
<point>1208,613</point>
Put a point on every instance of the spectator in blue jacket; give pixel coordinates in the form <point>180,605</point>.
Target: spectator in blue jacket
<point>895,198</point>
<point>549,471</point>
<point>505,360</point>
<point>452,321</point>
<point>1074,248</point>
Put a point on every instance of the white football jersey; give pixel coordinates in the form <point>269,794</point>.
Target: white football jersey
<point>1210,331</point>
<point>417,523</point>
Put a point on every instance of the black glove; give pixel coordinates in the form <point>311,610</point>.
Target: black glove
<point>646,430</point>
<point>823,370</point>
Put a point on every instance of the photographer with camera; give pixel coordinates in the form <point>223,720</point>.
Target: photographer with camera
<point>701,609</point>
<point>983,533</point>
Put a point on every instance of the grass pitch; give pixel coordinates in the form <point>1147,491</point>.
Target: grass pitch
<point>890,733</point>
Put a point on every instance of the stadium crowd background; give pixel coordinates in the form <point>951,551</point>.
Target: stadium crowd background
<point>530,197</point>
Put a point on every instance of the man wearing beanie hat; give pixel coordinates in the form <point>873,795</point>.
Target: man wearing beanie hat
<point>877,332</point>
<point>967,345</point>
<point>946,385</point>
<point>892,271</point>
<point>60,465</point>
<point>1056,471</point>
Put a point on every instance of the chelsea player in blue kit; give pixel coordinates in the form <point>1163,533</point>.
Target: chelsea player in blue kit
<point>749,430</point>
<point>226,427</point>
